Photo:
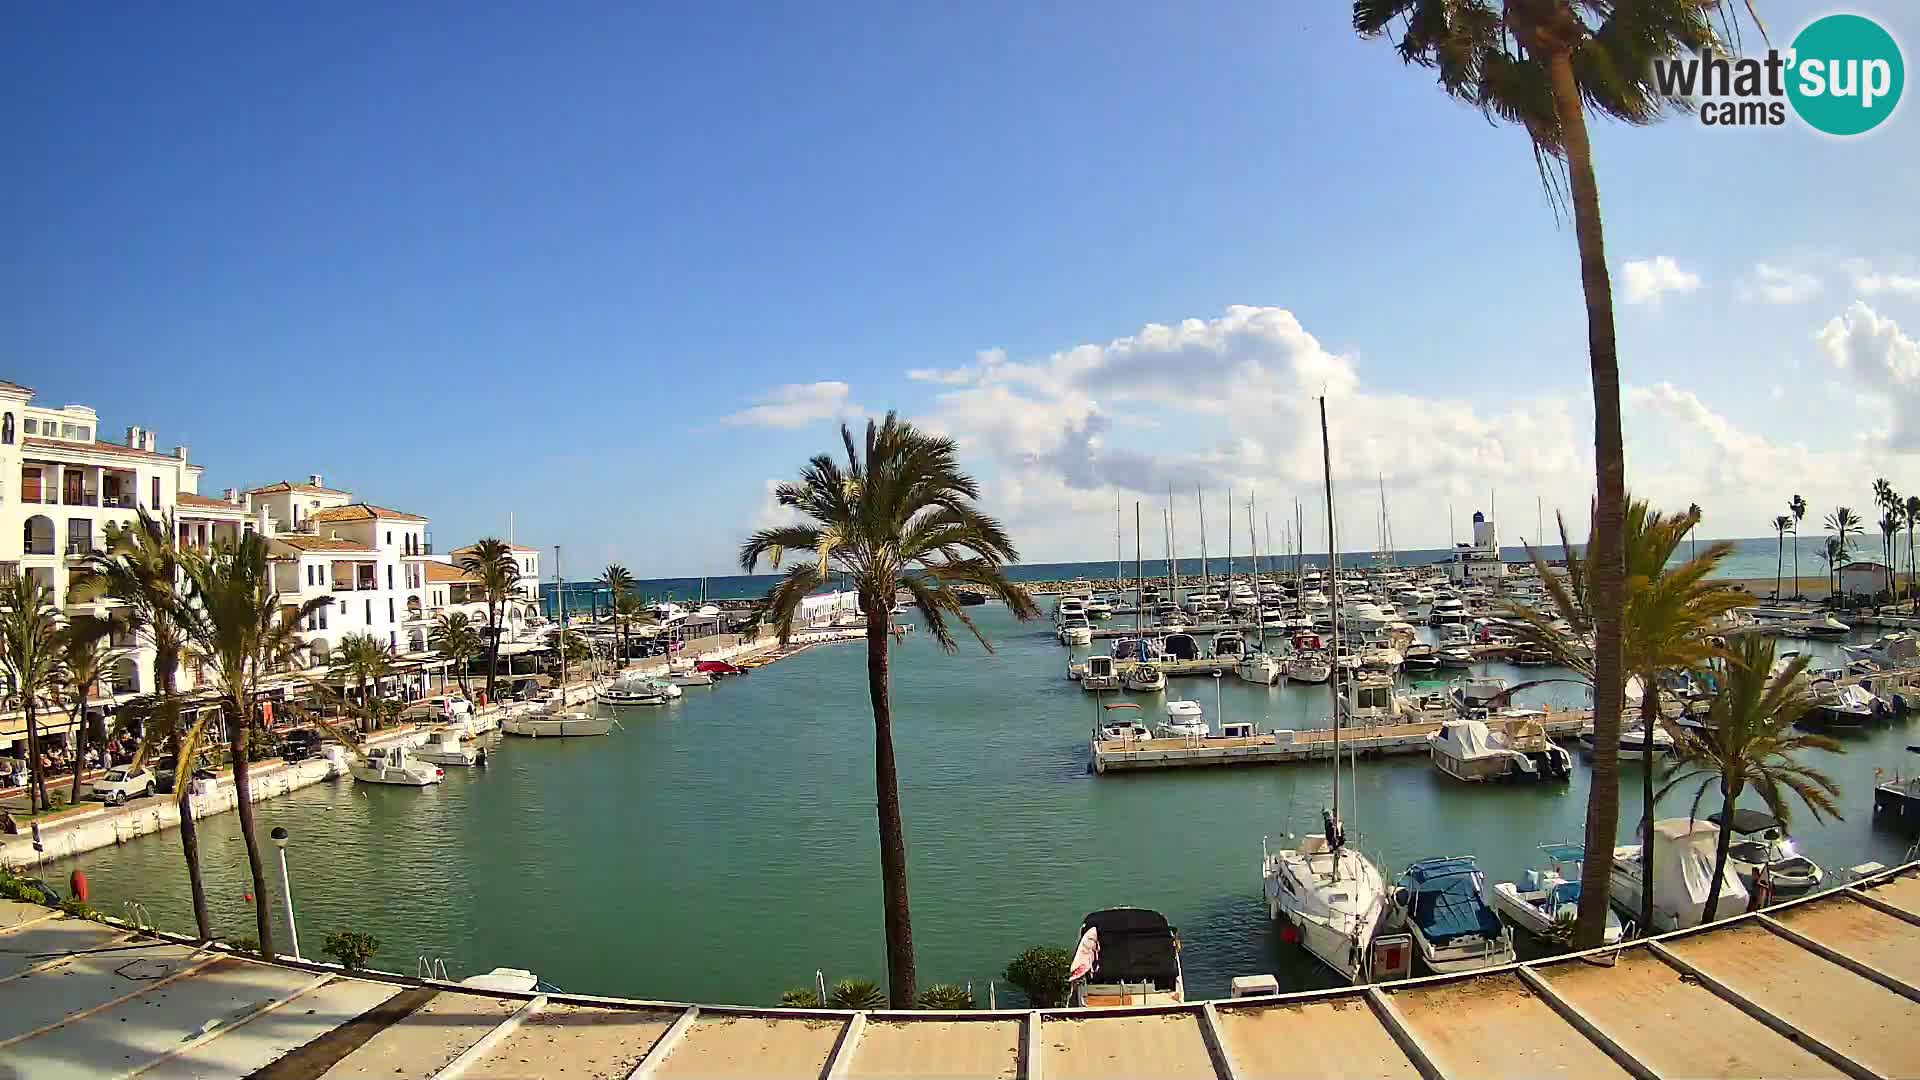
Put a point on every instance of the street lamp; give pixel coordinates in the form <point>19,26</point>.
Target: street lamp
<point>279,835</point>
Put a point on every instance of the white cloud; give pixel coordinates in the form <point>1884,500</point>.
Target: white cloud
<point>1884,361</point>
<point>796,405</point>
<point>1773,284</point>
<point>1646,281</point>
<point>1874,282</point>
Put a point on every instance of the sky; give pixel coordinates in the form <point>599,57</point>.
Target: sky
<point>618,269</point>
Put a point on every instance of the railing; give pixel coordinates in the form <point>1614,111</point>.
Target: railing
<point>119,502</point>
<point>79,545</point>
<point>82,498</point>
<point>9,572</point>
<point>39,547</point>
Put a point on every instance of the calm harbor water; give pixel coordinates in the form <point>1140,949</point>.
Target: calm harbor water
<point>723,848</point>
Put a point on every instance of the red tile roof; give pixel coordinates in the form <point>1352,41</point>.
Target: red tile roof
<point>187,500</point>
<point>443,573</point>
<point>361,512</point>
<point>287,485</point>
<point>94,447</point>
<point>322,543</point>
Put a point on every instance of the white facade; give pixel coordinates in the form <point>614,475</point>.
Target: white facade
<point>1865,578</point>
<point>450,589</point>
<point>1478,563</point>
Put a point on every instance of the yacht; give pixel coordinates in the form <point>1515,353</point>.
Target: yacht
<point>1836,706</point>
<point>446,749</point>
<point>1888,650</point>
<point>1514,746</point>
<point>1828,627</point>
<point>1760,840</point>
<point>1420,657</point>
<point>1330,894</point>
<point>1477,692</point>
<point>1309,667</point>
<point>1313,600</point>
<point>634,688</point>
<point>1069,607</point>
<point>1100,607</point>
<point>1076,630</point>
<point>1184,718</point>
<point>1126,956</point>
<point>1443,902</point>
<point>393,765</point>
<point>1146,678</point>
<point>1365,616</point>
<point>566,723</point>
<point>1229,645</point>
<point>1259,668</point>
<point>1456,656</point>
<point>1683,851</point>
<point>1447,610</point>
<point>1545,903</point>
<point>1099,675</point>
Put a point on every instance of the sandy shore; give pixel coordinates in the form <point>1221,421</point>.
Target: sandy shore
<point>1813,588</point>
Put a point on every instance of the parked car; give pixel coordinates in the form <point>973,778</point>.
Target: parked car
<point>166,767</point>
<point>124,782</point>
<point>300,745</point>
<point>437,706</point>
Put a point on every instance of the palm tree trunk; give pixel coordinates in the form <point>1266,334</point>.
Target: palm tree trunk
<point>79,743</point>
<point>901,991</point>
<point>493,649</point>
<point>243,801</point>
<point>36,781</point>
<point>165,664</point>
<point>1796,562</point>
<point>1779,555</point>
<point>366,706</point>
<point>1608,555</point>
<point>1720,847</point>
<point>1650,716</point>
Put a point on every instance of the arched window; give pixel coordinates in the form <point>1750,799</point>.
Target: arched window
<point>6,430</point>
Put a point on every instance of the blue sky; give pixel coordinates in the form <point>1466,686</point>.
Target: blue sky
<point>466,260</point>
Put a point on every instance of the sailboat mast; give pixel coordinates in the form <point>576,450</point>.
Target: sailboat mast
<point>1140,578</point>
<point>1166,534</point>
<point>1201,498</point>
<point>560,586</point>
<point>1118,573</point>
<point>1229,544</point>
<point>1258,622</point>
<point>1333,684</point>
<point>1173,553</point>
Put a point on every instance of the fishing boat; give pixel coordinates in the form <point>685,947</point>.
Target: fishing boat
<point>1330,896</point>
<point>1443,902</point>
<point>1146,678</point>
<point>1683,854</point>
<point>1099,674</point>
<point>1761,845</point>
<point>567,723</point>
<point>1184,719</point>
<point>1545,903</point>
<point>393,765</point>
<point>445,748</point>
<point>1126,956</point>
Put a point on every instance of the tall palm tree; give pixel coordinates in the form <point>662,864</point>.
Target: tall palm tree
<point>30,663</point>
<point>629,611</point>
<point>1889,535</point>
<point>364,659</point>
<point>84,662</point>
<point>1889,502</point>
<point>1797,506</point>
<point>1542,64</point>
<point>1911,511</point>
<point>140,567</point>
<point>235,624</point>
<point>1671,615</point>
<point>1832,554</point>
<point>619,583</point>
<point>454,637</point>
<point>492,562</point>
<point>899,514</point>
<point>1843,523</point>
<point>1693,534</point>
<point>1780,526</point>
<point>1750,741</point>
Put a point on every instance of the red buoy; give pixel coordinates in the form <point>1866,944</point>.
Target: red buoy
<point>249,898</point>
<point>1290,935</point>
<point>78,885</point>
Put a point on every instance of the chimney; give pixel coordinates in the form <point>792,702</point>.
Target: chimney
<point>314,479</point>
<point>136,436</point>
<point>232,495</point>
<point>181,453</point>
<point>148,440</point>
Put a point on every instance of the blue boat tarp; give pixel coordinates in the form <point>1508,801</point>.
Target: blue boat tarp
<point>1447,903</point>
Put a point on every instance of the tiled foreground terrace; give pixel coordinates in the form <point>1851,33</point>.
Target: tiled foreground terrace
<point>1826,986</point>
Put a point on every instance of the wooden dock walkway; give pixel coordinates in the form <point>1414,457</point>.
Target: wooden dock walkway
<point>1284,747</point>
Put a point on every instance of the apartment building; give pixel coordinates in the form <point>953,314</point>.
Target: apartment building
<point>450,588</point>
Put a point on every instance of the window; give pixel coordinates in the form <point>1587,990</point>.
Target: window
<point>389,609</point>
<point>323,615</point>
<point>33,426</point>
<point>156,495</point>
<point>389,577</point>
<point>6,430</point>
<point>393,640</point>
<point>369,603</point>
<point>389,537</point>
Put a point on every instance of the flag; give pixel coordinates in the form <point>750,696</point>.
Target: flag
<point>1086,956</point>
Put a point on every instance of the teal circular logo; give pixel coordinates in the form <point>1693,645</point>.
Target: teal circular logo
<point>1847,74</point>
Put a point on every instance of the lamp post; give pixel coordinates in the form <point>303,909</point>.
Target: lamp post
<point>279,835</point>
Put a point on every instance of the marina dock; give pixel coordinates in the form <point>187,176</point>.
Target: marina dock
<point>1824,985</point>
<point>1284,747</point>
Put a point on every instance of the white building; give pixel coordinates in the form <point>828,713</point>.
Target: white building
<point>450,589</point>
<point>1865,578</point>
<point>1478,563</point>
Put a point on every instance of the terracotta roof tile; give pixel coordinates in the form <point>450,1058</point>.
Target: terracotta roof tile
<point>187,500</point>
<point>286,485</point>
<point>447,574</point>
<point>361,512</point>
<point>94,447</point>
<point>321,543</point>
<point>4,384</point>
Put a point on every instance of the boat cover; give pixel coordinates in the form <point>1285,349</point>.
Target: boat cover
<point>1446,900</point>
<point>1748,821</point>
<point>1685,852</point>
<point>1136,946</point>
<point>1181,647</point>
<point>1468,740</point>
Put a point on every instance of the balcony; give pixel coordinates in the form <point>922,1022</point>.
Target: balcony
<point>119,502</point>
<point>81,497</point>
<point>79,547</point>
<point>9,572</point>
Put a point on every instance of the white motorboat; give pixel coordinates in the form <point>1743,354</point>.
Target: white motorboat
<point>1836,706</point>
<point>634,688</point>
<point>1313,600</point>
<point>1456,656</point>
<point>516,980</point>
<point>1069,607</point>
<point>1100,674</point>
<point>1332,896</point>
<point>1888,650</point>
<point>1100,608</point>
<point>1146,678</point>
<point>1514,747</point>
<point>1366,616</point>
<point>1634,743</point>
<point>1761,843</point>
<point>1120,725</point>
<point>445,748</point>
<point>690,678</point>
<point>1828,627</point>
<point>1184,719</point>
<point>1683,852</point>
<point>1075,630</point>
<point>1259,668</point>
<point>1126,956</point>
<point>1477,692</point>
<point>1381,658</point>
<point>1443,902</point>
<point>567,724</point>
<point>1446,610</point>
<point>1229,645</point>
<point>1420,657</point>
<point>449,707</point>
<point>1309,667</point>
<point>393,765</point>
<point>1546,902</point>
<point>1368,700</point>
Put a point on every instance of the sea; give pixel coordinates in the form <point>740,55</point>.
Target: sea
<point>1751,559</point>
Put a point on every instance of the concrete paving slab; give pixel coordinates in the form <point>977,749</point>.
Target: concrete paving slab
<point>1861,1019</point>
<point>1165,1045</point>
<point>572,1042</point>
<point>956,1049</point>
<point>31,946</point>
<point>266,1038</point>
<point>744,1046</point>
<point>436,1033</point>
<point>1338,1038</point>
<point>85,981</point>
<point>14,912</point>
<point>1494,1026</point>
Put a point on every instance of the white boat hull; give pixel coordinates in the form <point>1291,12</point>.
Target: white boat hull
<point>554,727</point>
<point>416,776</point>
<point>463,756</point>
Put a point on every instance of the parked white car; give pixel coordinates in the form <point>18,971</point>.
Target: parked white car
<point>121,784</point>
<point>451,706</point>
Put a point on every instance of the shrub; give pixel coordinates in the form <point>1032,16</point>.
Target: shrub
<point>80,909</point>
<point>856,994</point>
<point>247,945</point>
<point>800,999</point>
<point>351,949</point>
<point>946,996</point>
<point>1041,974</point>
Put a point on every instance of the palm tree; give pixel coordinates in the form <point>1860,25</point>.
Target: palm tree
<point>1780,526</point>
<point>1889,502</point>
<point>454,637</point>
<point>619,583</point>
<point>363,658</point>
<point>1693,534</point>
<point>30,662</point>
<point>1750,741</point>
<point>140,567</point>
<point>1542,64</point>
<point>1889,534</point>
<point>1911,510</point>
<point>83,664</point>
<point>629,610</point>
<point>237,627</point>
<point>1842,523</point>
<point>899,515</point>
<point>1671,614</point>
<point>1831,556</point>
<point>1797,506</point>
<point>492,562</point>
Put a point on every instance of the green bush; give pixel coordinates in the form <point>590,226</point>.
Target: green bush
<point>800,999</point>
<point>856,994</point>
<point>351,949</point>
<point>80,909</point>
<point>247,945</point>
<point>1041,974</point>
<point>946,996</point>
